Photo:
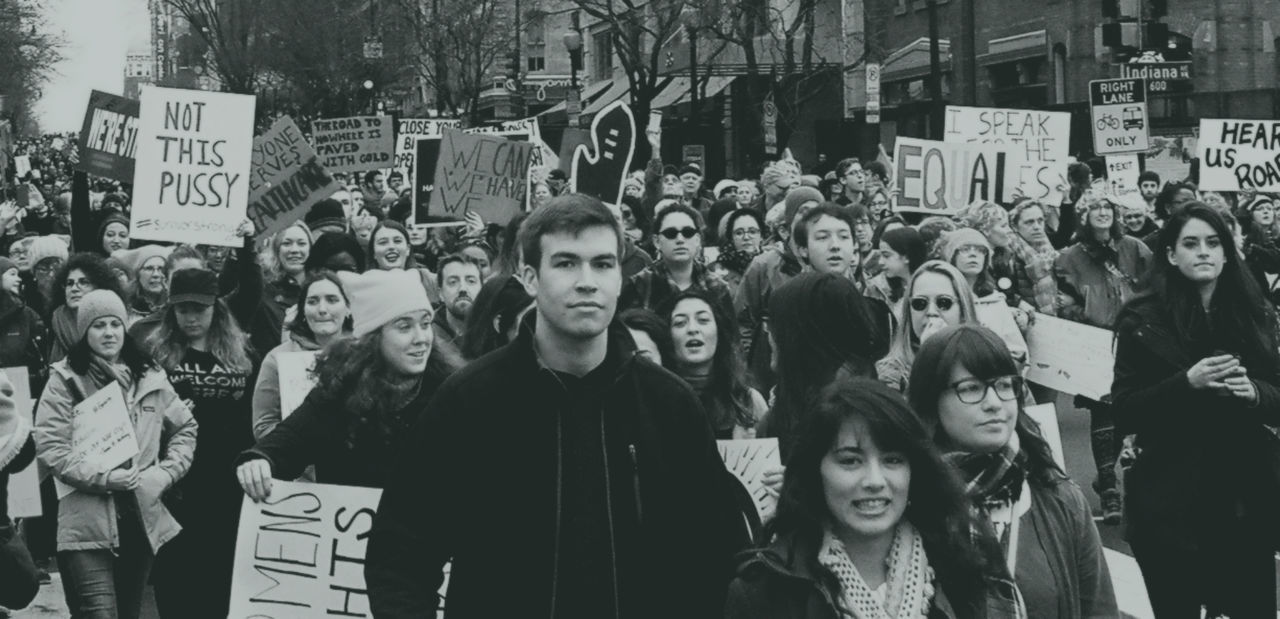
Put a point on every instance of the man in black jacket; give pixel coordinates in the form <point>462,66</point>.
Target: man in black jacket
<point>562,475</point>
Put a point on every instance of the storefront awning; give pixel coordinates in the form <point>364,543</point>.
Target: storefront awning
<point>1017,47</point>
<point>911,61</point>
<point>592,90</point>
<point>677,90</point>
<point>616,90</point>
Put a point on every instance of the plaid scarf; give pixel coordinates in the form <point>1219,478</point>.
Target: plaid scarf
<point>1038,265</point>
<point>991,480</point>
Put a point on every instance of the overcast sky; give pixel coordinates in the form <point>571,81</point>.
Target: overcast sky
<point>98,34</point>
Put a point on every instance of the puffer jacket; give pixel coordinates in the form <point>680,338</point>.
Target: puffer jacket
<point>87,517</point>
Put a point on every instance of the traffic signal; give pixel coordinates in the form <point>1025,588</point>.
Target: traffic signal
<point>1157,35</point>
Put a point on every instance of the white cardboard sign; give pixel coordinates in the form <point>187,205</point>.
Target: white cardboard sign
<point>1071,357</point>
<point>748,459</point>
<point>1041,137</point>
<point>1239,154</point>
<point>296,379</point>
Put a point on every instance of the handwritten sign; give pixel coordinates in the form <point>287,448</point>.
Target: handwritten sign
<point>1239,154</point>
<point>102,435</point>
<point>748,459</point>
<point>485,174</point>
<point>109,137</point>
<point>1046,415</point>
<point>286,178</point>
<point>942,177</point>
<point>191,184</point>
<point>24,486</point>
<point>296,379</point>
<point>22,166</point>
<point>354,144</point>
<point>1042,139</point>
<point>409,131</point>
<point>599,170</point>
<point>1071,357</point>
<point>300,553</point>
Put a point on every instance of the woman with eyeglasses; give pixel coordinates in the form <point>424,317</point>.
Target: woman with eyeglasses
<point>1095,277</point>
<point>871,524</point>
<point>47,254</point>
<point>149,288</point>
<point>741,240</point>
<point>937,296</point>
<point>966,388</point>
<point>1197,380</point>
<point>970,252</point>
<point>879,204</point>
<point>1033,257</point>
<point>82,274</point>
<point>678,237</point>
<point>1261,251</point>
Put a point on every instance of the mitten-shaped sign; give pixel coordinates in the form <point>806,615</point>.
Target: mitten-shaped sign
<point>599,169</point>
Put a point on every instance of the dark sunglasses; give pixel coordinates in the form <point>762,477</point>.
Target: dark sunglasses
<point>672,233</point>
<point>943,302</point>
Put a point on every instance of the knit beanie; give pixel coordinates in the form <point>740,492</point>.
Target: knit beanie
<point>327,212</point>
<point>962,237</point>
<point>723,185</point>
<point>193,286</point>
<point>98,304</point>
<point>45,247</point>
<point>797,197</point>
<point>378,297</point>
<point>778,171</point>
<point>134,259</point>
<point>6,264</point>
<point>113,217</point>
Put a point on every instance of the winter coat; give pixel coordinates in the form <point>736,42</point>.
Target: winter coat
<point>319,434</point>
<point>664,502</point>
<point>266,393</point>
<point>1089,291</point>
<point>1061,569</point>
<point>634,259</point>
<point>652,287</point>
<point>785,581</point>
<point>767,272</point>
<point>23,340</point>
<point>166,434</point>
<point>1206,466</point>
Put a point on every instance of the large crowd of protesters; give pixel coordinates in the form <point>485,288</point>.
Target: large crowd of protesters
<point>540,401</point>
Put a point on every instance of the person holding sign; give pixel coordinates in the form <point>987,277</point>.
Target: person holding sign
<point>322,315</point>
<point>871,524</point>
<point>966,387</point>
<point>369,391</point>
<point>1197,379</point>
<point>113,524</point>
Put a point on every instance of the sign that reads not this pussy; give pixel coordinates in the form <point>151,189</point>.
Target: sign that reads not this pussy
<point>191,184</point>
<point>354,144</point>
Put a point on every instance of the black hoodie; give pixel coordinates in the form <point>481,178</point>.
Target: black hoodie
<point>501,477</point>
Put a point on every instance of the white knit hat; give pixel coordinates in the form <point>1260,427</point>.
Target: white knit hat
<point>378,297</point>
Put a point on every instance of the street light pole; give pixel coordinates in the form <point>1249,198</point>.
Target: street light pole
<point>573,43</point>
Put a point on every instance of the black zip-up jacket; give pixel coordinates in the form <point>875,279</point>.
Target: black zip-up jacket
<point>481,483</point>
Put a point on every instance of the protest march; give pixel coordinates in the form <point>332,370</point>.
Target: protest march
<point>657,347</point>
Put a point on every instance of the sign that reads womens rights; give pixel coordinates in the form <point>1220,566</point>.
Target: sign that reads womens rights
<point>354,144</point>
<point>300,553</point>
<point>1042,138</point>
<point>1239,154</point>
<point>942,177</point>
<point>286,178</point>
<point>191,184</point>
<point>480,173</point>
<point>109,137</point>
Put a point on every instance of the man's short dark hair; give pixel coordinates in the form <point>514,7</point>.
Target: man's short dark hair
<point>453,259</point>
<point>370,175</point>
<point>842,168</point>
<point>1078,173</point>
<point>1149,175</point>
<point>826,209</point>
<point>677,208</point>
<point>878,170</point>
<point>395,174</point>
<point>570,213</point>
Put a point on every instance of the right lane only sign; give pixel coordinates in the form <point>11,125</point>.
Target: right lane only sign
<point>1119,116</point>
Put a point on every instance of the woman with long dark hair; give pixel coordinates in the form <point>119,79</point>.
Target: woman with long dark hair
<point>870,523</point>
<point>705,354</point>
<point>389,250</point>
<point>966,387</point>
<point>113,522</point>
<point>369,391</point>
<point>323,314</point>
<point>211,363</point>
<point>494,319</point>
<point>81,274</point>
<point>1197,380</point>
<point>901,252</point>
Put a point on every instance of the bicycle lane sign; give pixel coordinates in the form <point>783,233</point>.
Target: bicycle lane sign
<point>1118,110</point>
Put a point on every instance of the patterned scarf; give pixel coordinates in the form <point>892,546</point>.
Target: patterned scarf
<point>735,260</point>
<point>908,592</point>
<point>992,480</point>
<point>1038,262</point>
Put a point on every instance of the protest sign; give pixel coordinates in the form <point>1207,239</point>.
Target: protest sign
<point>24,486</point>
<point>286,178</point>
<point>942,177</point>
<point>109,137</point>
<point>296,379</point>
<point>599,169</point>
<point>300,553</point>
<point>1046,415</point>
<point>102,435</point>
<point>1239,154</point>
<point>191,183</point>
<point>1071,357</point>
<point>408,132</point>
<point>748,459</point>
<point>354,144</point>
<point>1122,173</point>
<point>1040,137</point>
<point>426,156</point>
<point>484,174</point>
<point>22,166</point>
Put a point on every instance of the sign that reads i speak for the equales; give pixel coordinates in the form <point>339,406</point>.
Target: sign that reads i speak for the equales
<point>1041,137</point>
<point>942,177</point>
<point>1118,111</point>
<point>191,180</point>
